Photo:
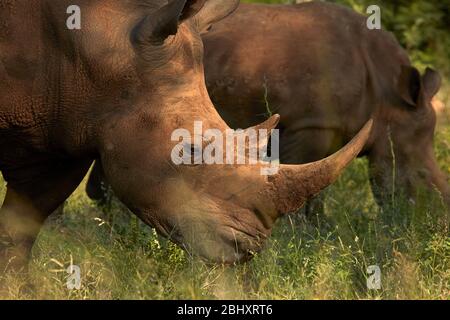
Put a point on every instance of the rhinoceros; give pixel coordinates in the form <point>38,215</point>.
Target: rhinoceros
<point>115,90</point>
<point>325,72</point>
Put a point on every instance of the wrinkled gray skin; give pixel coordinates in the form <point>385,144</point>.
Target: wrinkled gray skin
<point>115,91</point>
<point>326,73</point>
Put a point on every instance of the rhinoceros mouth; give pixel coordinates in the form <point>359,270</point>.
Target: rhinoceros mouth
<point>242,243</point>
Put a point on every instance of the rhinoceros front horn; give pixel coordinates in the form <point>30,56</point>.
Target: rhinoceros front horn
<point>294,184</point>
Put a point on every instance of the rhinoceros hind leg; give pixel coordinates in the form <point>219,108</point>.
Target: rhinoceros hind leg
<point>26,207</point>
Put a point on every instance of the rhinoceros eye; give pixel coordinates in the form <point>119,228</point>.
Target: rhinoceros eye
<point>423,173</point>
<point>192,154</point>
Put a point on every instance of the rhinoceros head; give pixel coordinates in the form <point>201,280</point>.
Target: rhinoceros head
<point>406,141</point>
<point>222,212</point>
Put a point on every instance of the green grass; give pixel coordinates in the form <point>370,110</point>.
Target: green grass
<point>326,259</point>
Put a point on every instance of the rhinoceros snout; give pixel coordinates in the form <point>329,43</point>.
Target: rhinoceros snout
<point>221,243</point>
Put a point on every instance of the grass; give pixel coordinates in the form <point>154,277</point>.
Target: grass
<point>325,259</point>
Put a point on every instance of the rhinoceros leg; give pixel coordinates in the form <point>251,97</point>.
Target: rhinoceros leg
<point>96,186</point>
<point>304,146</point>
<point>26,207</point>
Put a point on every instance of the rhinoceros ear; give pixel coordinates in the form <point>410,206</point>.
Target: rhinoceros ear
<point>156,27</point>
<point>214,11</point>
<point>192,8</point>
<point>431,83</point>
<point>409,85</point>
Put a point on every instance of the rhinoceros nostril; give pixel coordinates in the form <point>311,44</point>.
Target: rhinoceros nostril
<point>242,257</point>
<point>264,218</point>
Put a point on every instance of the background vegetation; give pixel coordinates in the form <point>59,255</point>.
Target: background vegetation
<point>325,258</point>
